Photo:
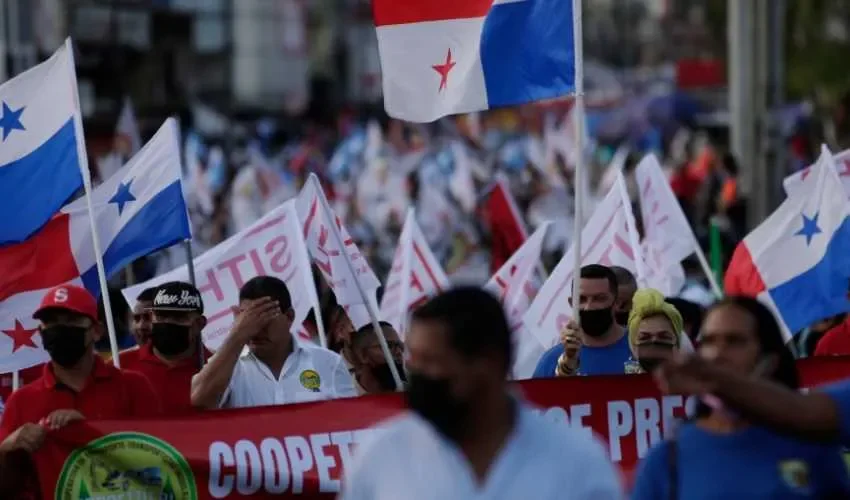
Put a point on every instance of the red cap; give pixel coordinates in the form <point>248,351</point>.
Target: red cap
<point>70,298</point>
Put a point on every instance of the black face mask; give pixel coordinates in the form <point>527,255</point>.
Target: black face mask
<point>596,322</point>
<point>384,376</point>
<point>650,362</point>
<point>170,339</point>
<point>65,344</point>
<point>431,398</point>
<point>622,318</point>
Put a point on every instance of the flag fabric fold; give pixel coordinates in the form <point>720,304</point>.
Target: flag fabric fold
<point>514,285</point>
<point>442,57</point>
<point>667,235</point>
<point>507,229</point>
<point>796,261</point>
<point>350,281</point>
<point>138,211</point>
<point>39,162</point>
<point>793,182</point>
<point>415,276</point>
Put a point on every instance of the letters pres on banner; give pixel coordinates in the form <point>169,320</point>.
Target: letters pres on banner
<point>301,450</point>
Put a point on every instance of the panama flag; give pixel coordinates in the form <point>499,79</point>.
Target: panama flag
<point>138,211</point>
<point>39,163</point>
<point>797,261</point>
<point>443,57</point>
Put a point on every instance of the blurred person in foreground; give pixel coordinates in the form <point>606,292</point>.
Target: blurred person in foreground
<point>279,368</point>
<point>655,330</point>
<point>721,454</point>
<point>600,346</point>
<point>170,359</point>
<point>822,414</point>
<point>467,435</point>
<point>370,368</point>
<point>76,384</point>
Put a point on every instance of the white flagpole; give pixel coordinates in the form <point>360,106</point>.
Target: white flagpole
<point>84,170</point>
<point>580,166</point>
<point>406,256</point>
<point>304,257</point>
<point>16,380</point>
<point>367,301</point>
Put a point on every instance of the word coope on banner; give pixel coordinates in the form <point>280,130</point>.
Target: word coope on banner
<point>276,465</point>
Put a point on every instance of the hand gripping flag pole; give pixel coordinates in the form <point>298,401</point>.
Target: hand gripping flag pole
<point>580,166</point>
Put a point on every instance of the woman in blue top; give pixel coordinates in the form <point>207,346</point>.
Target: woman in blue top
<point>719,454</point>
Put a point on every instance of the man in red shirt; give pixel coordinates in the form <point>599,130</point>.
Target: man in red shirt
<point>836,340</point>
<point>75,384</point>
<point>140,327</point>
<point>170,359</point>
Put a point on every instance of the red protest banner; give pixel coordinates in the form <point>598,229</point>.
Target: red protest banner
<point>302,449</point>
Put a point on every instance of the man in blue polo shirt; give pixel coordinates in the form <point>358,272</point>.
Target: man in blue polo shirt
<point>601,345</point>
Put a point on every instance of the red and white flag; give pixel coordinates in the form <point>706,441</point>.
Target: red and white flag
<point>608,238</point>
<point>415,277</point>
<point>507,229</point>
<point>667,236</point>
<point>514,284</point>
<point>794,182</point>
<point>272,246</point>
<point>333,250</point>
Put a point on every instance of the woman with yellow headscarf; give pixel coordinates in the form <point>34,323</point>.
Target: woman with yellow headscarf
<point>655,329</point>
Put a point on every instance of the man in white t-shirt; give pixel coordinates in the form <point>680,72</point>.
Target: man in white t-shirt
<point>467,436</point>
<point>278,367</point>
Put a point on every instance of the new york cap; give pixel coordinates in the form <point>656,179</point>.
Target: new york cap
<point>177,296</point>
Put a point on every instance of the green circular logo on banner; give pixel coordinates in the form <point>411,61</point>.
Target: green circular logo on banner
<point>126,465</point>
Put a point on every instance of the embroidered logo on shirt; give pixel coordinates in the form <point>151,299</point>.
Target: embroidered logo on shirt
<point>126,465</point>
<point>310,380</point>
<point>632,367</point>
<point>795,473</point>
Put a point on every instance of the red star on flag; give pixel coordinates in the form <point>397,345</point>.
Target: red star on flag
<point>21,337</point>
<point>444,69</point>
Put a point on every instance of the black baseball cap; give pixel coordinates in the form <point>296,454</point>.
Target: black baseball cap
<point>177,296</point>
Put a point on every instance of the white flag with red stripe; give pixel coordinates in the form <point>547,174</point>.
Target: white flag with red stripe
<point>514,284</point>
<point>343,266</point>
<point>608,238</point>
<point>667,236</point>
<point>794,182</point>
<point>416,276</point>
